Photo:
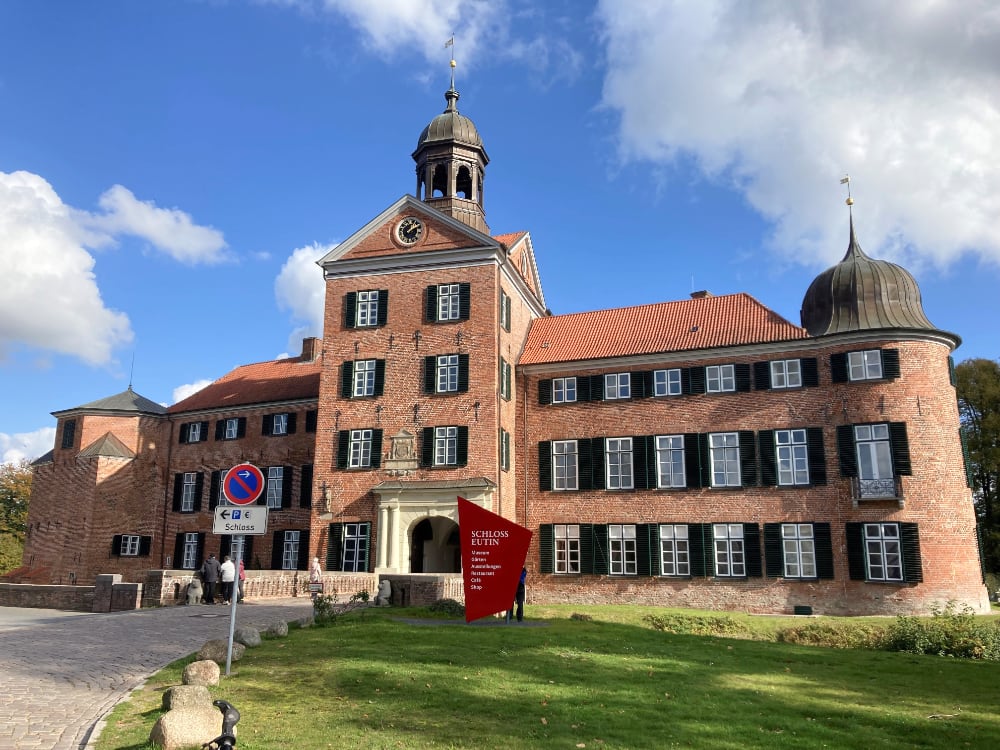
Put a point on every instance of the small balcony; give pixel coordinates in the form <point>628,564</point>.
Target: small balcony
<point>866,490</point>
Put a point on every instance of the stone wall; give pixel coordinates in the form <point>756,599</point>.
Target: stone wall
<point>74,598</point>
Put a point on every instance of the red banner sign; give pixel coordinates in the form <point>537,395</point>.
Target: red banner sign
<point>493,553</point>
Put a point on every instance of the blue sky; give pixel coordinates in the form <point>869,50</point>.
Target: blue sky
<point>170,170</point>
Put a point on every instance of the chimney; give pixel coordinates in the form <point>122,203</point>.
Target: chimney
<point>701,295</point>
<point>310,347</point>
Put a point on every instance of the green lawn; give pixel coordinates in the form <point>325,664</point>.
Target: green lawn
<point>374,681</point>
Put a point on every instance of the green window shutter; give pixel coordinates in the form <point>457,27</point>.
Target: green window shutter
<point>768,458</point>
<point>762,376</point>
<point>306,486</point>
<point>214,486</point>
<point>185,428</point>
<point>545,465</point>
<point>748,459</point>
<point>584,466</point>
<point>686,380</point>
<point>463,373</point>
<point>334,547</point>
<point>700,553</point>
<point>642,383</point>
<point>751,545</point>
<point>379,377</point>
<point>267,424</point>
<point>597,470</point>
<point>692,461</point>
<point>241,427</point>
<point>116,545</point>
<point>704,460</point>
<point>774,556</point>
<point>600,537</point>
<point>178,558</point>
<point>145,546</point>
<point>545,391</point>
<point>697,379</point>
<point>856,567</point>
<point>220,429</point>
<point>507,311</point>
<point>347,379</point>
<point>277,549</point>
<point>596,390</point>
<point>816,456</point>
<point>382,314</point>
<point>824,551</point>
<point>910,542</point>
<point>741,371</point>
<point>583,389</point>
<point>653,532</point>
<point>303,559</point>
<point>430,374</point>
<point>586,548</point>
<point>286,487</point>
<point>199,485</point>
<point>464,301</point>
<point>462,446</point>
<point>427,447</point>
<point>351,310</point>
<point>644,462</point>
<point>642,549</point>
<point>546,548</point>
<point>845,447</point>
<point>343,448</point>
<point>810,372</point>
<point>376,458</point>
<point>290,426</point>
<point>890,364</point>
<point>900,448</point>
<point>838,367</point>
<point>431,304</point>
<point>204,433</point>
<point>952,378</point>
<point>311,417</point>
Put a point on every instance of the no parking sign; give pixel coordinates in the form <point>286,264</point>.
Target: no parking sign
<point>243,484</point>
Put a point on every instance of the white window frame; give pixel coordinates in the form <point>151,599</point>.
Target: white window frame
<point>360,452</point>
<point>290,551</point>
<point>232,428</point>
<point>189,555</point>
<point>448,302</point>
<point>504,450</point>
<point>130,545</point>
<point>675,552</point>
<point>194,432</point>
<point>275,486</point>
<point>730,550</point>
<point>566,552</point>
<point>798,549</point>
<point>446,380</point>
<point>617,385</point>
<point>279,424</point>
<point>720,378</point>
<point>874,451</point>
<point>505,379</point>
<point>786,373</point>
<point>563,390</point>
<point>504,310</point>
<point>883,552</point>
<point>190,485</point>
<point>667,382</point>
<point>364,378</point>
<point>792,454</point>
<point>354,557</point>
<point>237,550</point>
<point>618,463</point>
<point>565,465</point>
<point>366,312</point>
<point>864,365</point>
<point>670,461</point>
<point>446,446</point>
<point>724,454</point>
<point>622,550</point>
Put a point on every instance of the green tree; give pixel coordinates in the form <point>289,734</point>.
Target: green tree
<point>15,489</point>
<point>978,386</point>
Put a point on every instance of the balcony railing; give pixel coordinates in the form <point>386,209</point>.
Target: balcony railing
<point>877,489</point>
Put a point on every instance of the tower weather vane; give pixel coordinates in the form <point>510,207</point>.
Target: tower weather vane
<point>846,180</point>
<point>451,43</point>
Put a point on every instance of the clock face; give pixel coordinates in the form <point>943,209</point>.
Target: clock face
<point>409,230</point>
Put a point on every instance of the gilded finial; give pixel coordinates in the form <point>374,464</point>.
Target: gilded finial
<point>846,180</point>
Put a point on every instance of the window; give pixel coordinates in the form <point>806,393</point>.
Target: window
<point>360,455</point>
<point>670,461</point>
<point>622,550</point>
<point>194,432</point>
<point>617,385</point>
<point>504,379</point>
<point>724,451</point>
<point>364,378</point>
<point>220,493</point>
<point>311,418</point>
<point>675,555</point>
<point>275,486</point>
<point>730,554</point>
<point>504,450</point>
<point>786,373</point>
<point>567,548</point>
<point>883,552</point>
<point>237,549</point>
<point>232,425</point>
<point>68,433</point>
<point>563,390</point>
<point>618,462</point>
<point>448,300</point>
<point>798,550</point>
<point>279,424</point>
<point>367,309</point>
<point>564,465</point>
<point>447,373</point>
<point>792,457</point>
<point>866,365</point>
<point>290,551</point>
<point>188,493</point>
<point>667,382</point>
<point>874,460</point>
<point>189,557</point>
<point>504,311</point>
<point>445,446</point>
<point>355,547</point>
<point>129,545</point>
<point>720,378</point>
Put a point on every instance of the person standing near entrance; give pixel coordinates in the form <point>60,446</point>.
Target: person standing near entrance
<point>210,571</point>
<point>518,599</point>
<point>241,591</point>
<point>228,572</point>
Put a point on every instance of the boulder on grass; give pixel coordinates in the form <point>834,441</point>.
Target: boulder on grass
<point>248,636</point>
<point>306,622</point>
<point>277,629</point>
<point>204,672</point>
<point>216,649</point>
<point>182,728</point>
<point>187,696</point>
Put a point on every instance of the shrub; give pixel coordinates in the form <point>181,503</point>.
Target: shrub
<point>325,609</point>
<point>448,607</point>
<point>835,635</point>
<point>698,625</point>
<point>950,632</point>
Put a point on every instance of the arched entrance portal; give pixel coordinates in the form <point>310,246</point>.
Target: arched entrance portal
<point>434,546</point>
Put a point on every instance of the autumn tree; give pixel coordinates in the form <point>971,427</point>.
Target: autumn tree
<point>15,489</point>
<point>978,386</point>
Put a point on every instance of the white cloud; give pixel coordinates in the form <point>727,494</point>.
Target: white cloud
<point>28,445</point>
<point>781,99</point>
<point>50,298</point>
<point>168,229</point>
<point>300,289</point>
<point>181,392</point>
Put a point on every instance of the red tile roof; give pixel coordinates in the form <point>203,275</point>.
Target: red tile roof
<point>260,383</point>
<point>510,238</point>
<point>702,323</point>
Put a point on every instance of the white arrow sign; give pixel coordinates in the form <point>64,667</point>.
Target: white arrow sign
<point>230,519</point>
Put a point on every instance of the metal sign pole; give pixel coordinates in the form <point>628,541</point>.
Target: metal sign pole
<point>233,597</point>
